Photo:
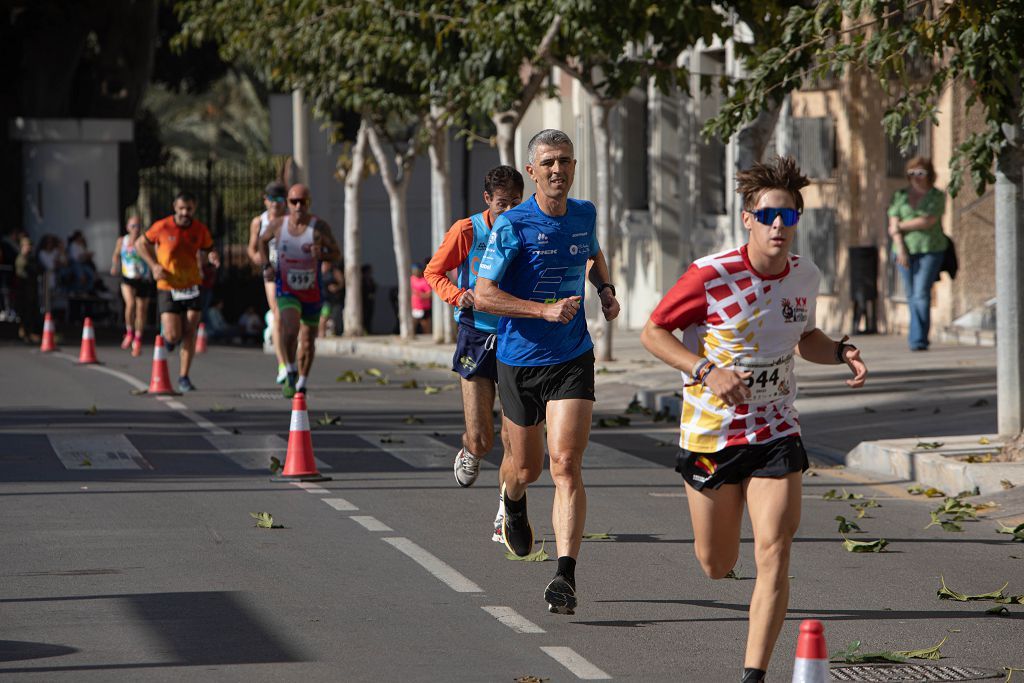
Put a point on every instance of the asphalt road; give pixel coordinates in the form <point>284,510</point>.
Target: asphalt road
<point>129,551</point>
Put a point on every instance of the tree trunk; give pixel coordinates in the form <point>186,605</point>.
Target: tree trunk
<point>1010,276</point>
<point>396,183</point>
<point>353,314</point>
<point>440,214</point>
<point>506,123</point>
<point>600,111</point>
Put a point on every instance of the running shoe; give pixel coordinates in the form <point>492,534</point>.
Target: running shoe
<point>288,390</point>
<point>185,385</point>
<point>516,529</point>
<point>498,536</point>
<point>561,595</point>
<point>282,374</point>
<point>126,342</point>
<point>467,468</point>
<point>137,347</point>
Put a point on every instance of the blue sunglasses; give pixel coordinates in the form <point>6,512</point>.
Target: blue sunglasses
<point>790,217</point>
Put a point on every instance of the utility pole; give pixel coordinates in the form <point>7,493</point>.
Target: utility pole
<point>1010,276</point>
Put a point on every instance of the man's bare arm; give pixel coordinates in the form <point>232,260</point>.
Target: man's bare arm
<point>253,248</point>
<point>324,239</point>
<point>491,299</point>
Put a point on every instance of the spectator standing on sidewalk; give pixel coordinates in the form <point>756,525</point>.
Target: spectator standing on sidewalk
<point>421,294</point>
<point>26,292</point>
<point>744,313</point>
<point>919,245</point>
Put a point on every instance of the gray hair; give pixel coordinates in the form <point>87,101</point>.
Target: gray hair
<point>549,137</point>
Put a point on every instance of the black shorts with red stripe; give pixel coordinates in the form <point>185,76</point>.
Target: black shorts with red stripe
<point>736,464</point>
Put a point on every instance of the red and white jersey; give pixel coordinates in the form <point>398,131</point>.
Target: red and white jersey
<point>738,318</point>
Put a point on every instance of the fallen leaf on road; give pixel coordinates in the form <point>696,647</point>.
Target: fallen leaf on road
<point>218,408</point>
<point>947,525</point>
<point>933,492</point>
<point>846,526</point>
<point>946,593</point>
<point>411,384</point>
<point>86,462</point>
<point>373,372</point>
<point>987,457</point>
<point>980,403</point>
<point>984,441</point>
<point>613,422</point>
<point>383,381</point>
<point>853,655</point>
<point>926,653</point>
<point>349,376</point>
<point>733,574</point>
<point>431,390</point>
<point>275,464</point>
<point>92,410</point>
<point>915,490</point>
<point>436,366</point>
<point>538,556</point>
<point>635,407</point>
<point>265,520</point>
<point>1016,531</point>
<point>408,364</point>
<point>413,420</point>
<point>598,537</point>
<point>929,445</point>
<point>388,439</point>
<point>845,495</point>
<point>862,508</point>
<point>998,610</point>
<point>327,420</point>
<point>864,546</point>
<point>1006,484</point>
<point>531,679</point>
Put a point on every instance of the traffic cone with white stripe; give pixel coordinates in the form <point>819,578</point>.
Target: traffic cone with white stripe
<point>299,463</point>
<point>49,344</point>
<point>811,664</point>
<point>87,354</point>
<point>160,379</point>
<point>201,339</point>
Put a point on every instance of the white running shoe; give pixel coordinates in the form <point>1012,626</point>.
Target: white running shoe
<point>466,468</point>
<point>498,536</point>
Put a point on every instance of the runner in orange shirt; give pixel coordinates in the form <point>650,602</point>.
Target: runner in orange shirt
<point>172,248</point>
<point>474,359</point>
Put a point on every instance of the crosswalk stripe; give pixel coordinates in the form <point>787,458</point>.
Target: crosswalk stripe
<point>416,450</point>
<point>371,523</point>
<point>568,658</point>
<point>97,452</point>
<point>253,451</point>
<point>513,619</point>
<point>440,569</point>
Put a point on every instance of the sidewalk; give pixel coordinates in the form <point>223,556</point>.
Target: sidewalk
<point>910,399</point>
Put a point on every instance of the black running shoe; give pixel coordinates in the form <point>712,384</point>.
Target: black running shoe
<point>561,595</point>
<point>517,530</point>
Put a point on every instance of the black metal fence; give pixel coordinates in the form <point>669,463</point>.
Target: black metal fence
<point>229,195</point>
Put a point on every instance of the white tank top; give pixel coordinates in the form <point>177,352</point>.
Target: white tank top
<point>272,245</point>
<point>298,271</point>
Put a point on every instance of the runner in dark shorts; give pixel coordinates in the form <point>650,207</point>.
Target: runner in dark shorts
<point>734,464</point>
<point>166,303</point>
<point>462,249</point>
<point>525,391</point>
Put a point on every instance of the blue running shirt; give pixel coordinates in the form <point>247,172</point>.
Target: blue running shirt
<point>537,257</point>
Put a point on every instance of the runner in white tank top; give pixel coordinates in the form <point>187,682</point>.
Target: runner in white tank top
<point>303,242</point>
<point>274,201</point>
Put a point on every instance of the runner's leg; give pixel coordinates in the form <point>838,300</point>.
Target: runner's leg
<point>306,348</point>
<point>129,312</point>
<point>188,340</point>
<point>715,515</point>
<point>270,289</point>
<point>287,324</point>
<point>524,461</point>
<point>141,309</point>
<point>568,434</point>
<point>774,507</point>
<point>478,408</point>
<point>170,327</point>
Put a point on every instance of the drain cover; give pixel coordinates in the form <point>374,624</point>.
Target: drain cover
<point>910,673</point>
<point>261,395</point>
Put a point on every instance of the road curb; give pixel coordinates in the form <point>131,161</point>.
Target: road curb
<point>392,349</point>
<point>938,467</point>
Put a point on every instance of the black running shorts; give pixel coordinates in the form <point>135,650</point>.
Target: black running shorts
<point>143,287</point>
<point>166,303</point>
<point>475,354</point>
<point>735,464</point>
<point>525,391</point>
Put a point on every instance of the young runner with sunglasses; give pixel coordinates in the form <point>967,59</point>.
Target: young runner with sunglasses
<point>744,313</point>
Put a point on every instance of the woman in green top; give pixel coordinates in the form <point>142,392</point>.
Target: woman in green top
<point>919,245</point>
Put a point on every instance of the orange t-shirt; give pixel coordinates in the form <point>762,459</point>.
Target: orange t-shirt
<point>177,251</point>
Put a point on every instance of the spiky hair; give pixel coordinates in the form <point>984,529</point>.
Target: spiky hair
<point>781,173</point>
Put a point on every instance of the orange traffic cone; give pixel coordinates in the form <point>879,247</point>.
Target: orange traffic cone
<point>299,464</point>
<point>160,379</point>
<point>49,342</point>
<point>201,339</point>
<point>87,356</point>
<point>811,664</point>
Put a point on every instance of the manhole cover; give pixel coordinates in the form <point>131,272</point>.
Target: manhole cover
<point>261,395</point>
<point>909,673</point>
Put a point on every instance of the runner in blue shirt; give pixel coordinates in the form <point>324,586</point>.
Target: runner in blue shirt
<point>533,275</point>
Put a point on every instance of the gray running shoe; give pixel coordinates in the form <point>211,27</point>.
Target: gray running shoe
<point>467,468</point>
<point>561,595</point>
<point>516,529</point>
<point>185,385</point>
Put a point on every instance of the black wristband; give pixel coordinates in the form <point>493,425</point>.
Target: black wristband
<point>605,285</point>
<point>841,347</point>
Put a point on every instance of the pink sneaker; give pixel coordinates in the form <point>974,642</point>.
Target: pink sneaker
<point>127,341</point>
<point>137,347</point>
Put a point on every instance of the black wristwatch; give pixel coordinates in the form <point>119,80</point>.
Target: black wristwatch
<point>605,285</point>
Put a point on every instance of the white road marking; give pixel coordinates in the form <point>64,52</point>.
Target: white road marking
<point>416,450</point>
<point>371,523</point>
<point>441,570</point>
<point>513,619</point>
<point>568,658</point>
<point>253,451</point>
<point>199,421</point>
<point>310,487</point>
<point>340,504</point>
<point>97,452</point>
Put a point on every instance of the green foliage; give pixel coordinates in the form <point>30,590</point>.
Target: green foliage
<point>979,43</point>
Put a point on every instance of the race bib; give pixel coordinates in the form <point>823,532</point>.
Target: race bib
<point>769,379</point>
<point>185,294</point>
<point>301,279</point>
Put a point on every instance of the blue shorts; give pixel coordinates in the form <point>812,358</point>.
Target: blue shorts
<point>476,354</point>
<point>309,311</point>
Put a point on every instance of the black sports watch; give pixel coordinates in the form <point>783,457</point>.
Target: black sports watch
<point>605,285</point>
